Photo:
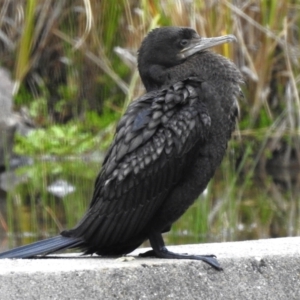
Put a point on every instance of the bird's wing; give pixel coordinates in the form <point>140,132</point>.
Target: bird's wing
<point>154,141</point>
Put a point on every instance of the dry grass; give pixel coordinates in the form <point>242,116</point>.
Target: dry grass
<point>65,36</point>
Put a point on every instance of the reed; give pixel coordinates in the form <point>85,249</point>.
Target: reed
<point>66,65</point>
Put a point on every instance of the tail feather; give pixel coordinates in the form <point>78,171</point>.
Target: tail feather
<point>43,247</point>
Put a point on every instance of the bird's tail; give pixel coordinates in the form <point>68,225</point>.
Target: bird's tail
<point>43,247</point>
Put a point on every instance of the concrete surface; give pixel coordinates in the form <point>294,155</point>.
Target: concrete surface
<point>263,269</point>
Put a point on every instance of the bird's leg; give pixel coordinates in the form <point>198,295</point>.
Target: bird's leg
<point>160,251</point>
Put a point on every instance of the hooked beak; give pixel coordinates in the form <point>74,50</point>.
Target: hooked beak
<point>201,43</point>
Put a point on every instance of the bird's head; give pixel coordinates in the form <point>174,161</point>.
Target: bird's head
<point>166,47</point>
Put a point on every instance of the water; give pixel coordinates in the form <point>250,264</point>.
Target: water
<point>51,195</point>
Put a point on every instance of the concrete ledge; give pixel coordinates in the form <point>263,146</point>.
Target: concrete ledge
<point>263,269</point>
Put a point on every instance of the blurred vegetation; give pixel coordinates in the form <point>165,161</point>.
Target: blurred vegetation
<point>75,71</point>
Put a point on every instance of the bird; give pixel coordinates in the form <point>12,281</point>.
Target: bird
<point>166,148</point>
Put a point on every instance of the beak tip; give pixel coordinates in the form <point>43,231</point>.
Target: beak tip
<point>232,38</point>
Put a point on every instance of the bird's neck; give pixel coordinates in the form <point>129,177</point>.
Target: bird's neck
<point>206,66</point>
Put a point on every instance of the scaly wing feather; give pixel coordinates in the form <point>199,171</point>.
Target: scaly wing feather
<point>154,141</point>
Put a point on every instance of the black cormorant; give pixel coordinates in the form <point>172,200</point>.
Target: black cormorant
<point>166,149</point>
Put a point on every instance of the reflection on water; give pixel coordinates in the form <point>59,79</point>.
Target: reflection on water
<point>231,209</point>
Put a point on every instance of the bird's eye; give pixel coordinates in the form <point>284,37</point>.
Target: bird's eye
<point>183,43</point>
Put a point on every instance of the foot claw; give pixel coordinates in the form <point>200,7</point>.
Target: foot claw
<point>164,253</point>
